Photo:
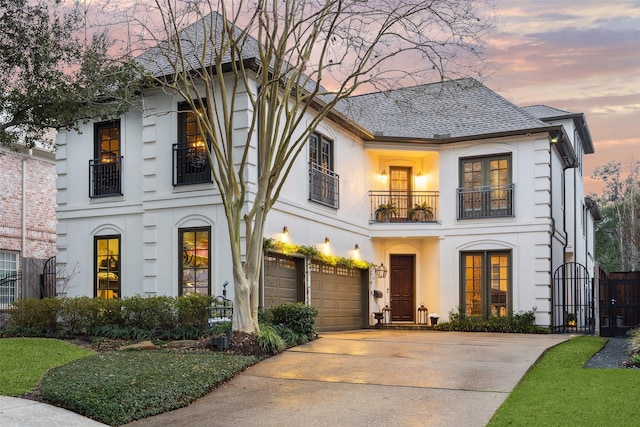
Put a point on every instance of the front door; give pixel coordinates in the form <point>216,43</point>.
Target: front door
<point>402,288</point>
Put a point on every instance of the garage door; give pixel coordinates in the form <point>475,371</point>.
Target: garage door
<point>283,279</point>
<point>337,293</point>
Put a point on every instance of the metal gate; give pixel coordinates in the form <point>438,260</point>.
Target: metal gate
<point>572,300</point>
<point>619,304</point>
<point>9,289</point>
<point>48,279</point>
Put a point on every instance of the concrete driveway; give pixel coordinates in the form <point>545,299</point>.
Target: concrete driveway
<point>371,378</point>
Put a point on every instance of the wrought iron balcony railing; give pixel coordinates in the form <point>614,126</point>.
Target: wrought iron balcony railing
<point>324,186</point>
<point>190,164</point>
<point>404,206</point>
<point>485,202</point>
<point>105,177</point>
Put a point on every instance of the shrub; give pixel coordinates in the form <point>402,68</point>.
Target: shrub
<point>39,316</point>
<point>270,341</point>
<point>299,317</point>
<point>521,322</point>
<point>79,315</point>
<point>193,310</point>
<point>154,314</point>
<point>290,336</point>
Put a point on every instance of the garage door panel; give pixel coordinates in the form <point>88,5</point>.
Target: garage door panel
<point>281,281</point>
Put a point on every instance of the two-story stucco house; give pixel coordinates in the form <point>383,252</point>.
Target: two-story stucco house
<point>462,198</point>
<point>27,221</point>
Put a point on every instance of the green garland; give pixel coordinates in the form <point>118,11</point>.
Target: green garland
<point>313,253</point>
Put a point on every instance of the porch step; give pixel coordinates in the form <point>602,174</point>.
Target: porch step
<point>403,327</point>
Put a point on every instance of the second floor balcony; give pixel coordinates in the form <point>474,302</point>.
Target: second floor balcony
<point>404,206</point>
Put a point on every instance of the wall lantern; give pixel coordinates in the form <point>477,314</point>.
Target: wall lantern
<point>381,271</point>
<point>285,231</point>
<point>327,241</point>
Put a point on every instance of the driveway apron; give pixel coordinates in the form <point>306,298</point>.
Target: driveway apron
<point>372,377</point>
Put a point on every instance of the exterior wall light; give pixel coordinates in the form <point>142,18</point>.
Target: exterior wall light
<point>381,271</point>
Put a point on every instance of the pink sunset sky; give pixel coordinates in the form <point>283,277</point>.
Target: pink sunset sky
<point>582,56</point>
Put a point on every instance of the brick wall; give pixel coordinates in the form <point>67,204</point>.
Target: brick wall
<point>40,191</point>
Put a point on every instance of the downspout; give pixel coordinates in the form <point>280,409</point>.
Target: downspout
<point>23,231</point>
<point>551,236</point>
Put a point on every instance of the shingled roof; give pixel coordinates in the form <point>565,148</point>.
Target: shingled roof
<point>442,111</point>
<point>548,114</point>
<point>205,35</point>
<point>448,110</point>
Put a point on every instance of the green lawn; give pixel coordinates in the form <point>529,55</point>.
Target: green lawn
<point>24,361</point>
<point>115,387</point>
<point>558,391</point>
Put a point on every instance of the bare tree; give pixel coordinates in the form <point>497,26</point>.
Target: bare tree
<point>276,69</point>
<point>621,199</point>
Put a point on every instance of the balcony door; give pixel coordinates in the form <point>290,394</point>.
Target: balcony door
<point>400,189</point>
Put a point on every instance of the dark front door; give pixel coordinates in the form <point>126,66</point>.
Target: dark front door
<point>402,288</point>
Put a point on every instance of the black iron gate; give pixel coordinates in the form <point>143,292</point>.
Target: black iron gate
<point>619,304</point>
<point>9,289</point>
<point>48,279</point>
<point>572,300</point>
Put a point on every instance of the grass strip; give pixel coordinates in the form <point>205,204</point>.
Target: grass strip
<point>557,390</point>
<point>23,361</point>
<point>116,388</point>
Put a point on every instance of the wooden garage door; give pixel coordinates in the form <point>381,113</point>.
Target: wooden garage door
<point>283,279</point>
<point>337,293</point>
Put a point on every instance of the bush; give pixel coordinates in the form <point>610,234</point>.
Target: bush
<point>157,317</point>
<point>634,341</point>
<point>521,322</point>
<point>290,336</point>
<point>193,310</point>
<point>269,340</point>
<point>299,317</point>
<point>39,317</point>
<point>154,314</point>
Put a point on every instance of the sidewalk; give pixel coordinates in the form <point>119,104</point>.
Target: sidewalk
<point>15,412</point>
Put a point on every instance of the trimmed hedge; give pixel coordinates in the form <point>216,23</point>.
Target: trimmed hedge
<point>521,322</point>
<point>156,317</point>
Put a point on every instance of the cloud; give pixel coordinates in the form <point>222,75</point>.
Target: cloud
<point>580,56</point>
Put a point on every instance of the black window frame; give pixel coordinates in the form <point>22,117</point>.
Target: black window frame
<point>324,182</point>
<point>480,198</point>
<point>489,294</point>
<point>185,256</point>
<point>107,268</point>
<point>105,169</point>
<point>190,162</point>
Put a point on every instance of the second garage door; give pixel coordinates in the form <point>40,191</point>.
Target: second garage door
<point>337,293</point>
